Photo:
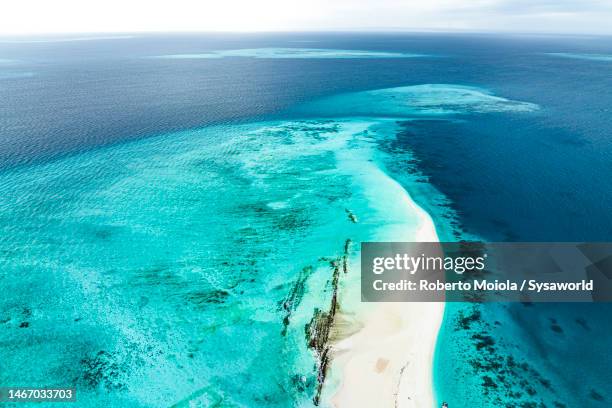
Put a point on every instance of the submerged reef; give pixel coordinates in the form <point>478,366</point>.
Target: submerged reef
<point>319,328</point>
<point>498,372</point>
<point>294,297</point>
<point>505,380</point>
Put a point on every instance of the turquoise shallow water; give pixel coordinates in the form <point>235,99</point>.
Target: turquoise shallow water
<point>416,101</point>
<point>158,269</point>
<point>182,269</point>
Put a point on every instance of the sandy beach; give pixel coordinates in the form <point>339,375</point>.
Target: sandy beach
<point>388,363</point>
<point>384,355</point>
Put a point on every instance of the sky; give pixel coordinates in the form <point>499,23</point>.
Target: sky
<point>111,16</point>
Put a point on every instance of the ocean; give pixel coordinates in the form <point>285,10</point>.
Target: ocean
<point>173,210</point>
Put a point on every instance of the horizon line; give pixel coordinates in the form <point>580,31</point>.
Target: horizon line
<point>388,30</point>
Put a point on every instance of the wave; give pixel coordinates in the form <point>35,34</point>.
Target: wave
<point>290,53</point>
<point>588,57</point>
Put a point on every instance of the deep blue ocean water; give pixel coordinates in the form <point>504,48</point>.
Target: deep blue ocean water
<point>93,134</point>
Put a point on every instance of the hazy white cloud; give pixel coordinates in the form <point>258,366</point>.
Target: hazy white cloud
<point>58,16</point>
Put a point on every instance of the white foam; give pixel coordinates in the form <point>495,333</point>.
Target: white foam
<point>589,57</point>
<point>288,53</point>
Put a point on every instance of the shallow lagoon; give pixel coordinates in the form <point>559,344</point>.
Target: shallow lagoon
<point>169,260</point>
